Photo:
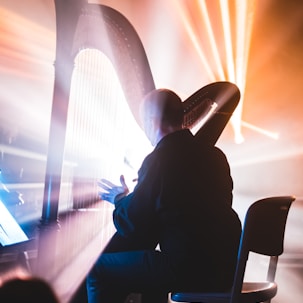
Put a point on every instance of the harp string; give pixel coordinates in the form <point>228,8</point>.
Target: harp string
<point>98,123</point>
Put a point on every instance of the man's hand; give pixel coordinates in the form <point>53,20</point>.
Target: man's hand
<point>113,193</point>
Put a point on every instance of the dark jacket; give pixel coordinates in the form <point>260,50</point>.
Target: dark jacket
<point>183,202</point>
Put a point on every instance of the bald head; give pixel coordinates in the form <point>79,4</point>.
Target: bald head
<point>162,113</point>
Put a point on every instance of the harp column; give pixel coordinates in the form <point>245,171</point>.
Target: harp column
<point>66,18</point>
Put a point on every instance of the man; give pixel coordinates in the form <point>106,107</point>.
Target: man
<point>182,202</point>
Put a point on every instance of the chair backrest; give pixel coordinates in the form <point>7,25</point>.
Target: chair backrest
<point>263,233</point>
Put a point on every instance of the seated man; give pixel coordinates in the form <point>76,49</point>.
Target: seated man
<point>182,204</point>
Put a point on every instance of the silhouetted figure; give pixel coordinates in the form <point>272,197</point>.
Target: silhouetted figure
<point>183,203</point>
<point>27,290</point>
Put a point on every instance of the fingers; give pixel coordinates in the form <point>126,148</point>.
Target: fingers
<point>106,183</point>
<point>111,191</point>
<point>123,183</point>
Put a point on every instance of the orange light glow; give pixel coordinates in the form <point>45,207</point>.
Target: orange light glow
<point>189,43</point>
<point>214,48</point>
<point>236,27</point>
<point>228,40</point>
<point>194,39</point>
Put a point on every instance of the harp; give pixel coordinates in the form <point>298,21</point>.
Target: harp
<point>72,220</point>
<point>82,26</point>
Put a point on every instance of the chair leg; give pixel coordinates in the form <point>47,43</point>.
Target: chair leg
<point>271,274</point>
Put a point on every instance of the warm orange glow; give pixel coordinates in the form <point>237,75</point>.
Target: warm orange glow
<point>244,21</point>
<point>256,44</point>
<point>261,131</point>
<point>228,40</point>
<point>211,36</point>
<point>236,38</point>
<point>23,40</point>
<point>194,39</point>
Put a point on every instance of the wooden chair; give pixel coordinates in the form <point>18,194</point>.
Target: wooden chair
<point>263,233</point>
